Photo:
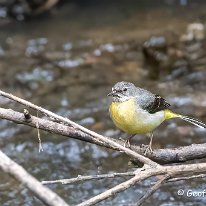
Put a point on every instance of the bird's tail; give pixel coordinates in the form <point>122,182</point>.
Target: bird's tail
<point>196,122</point>
<point>170,114</point>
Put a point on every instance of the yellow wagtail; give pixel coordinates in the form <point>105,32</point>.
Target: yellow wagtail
<point>137,111</point>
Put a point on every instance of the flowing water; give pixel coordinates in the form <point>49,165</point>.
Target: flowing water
<point>67,62</point>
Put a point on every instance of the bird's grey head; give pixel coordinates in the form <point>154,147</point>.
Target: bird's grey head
<point>122,91</point>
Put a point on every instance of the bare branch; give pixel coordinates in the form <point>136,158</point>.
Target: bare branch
<point>155,187</point>
<point>143,175</point>
<point>44,194</point>
<point>89,177</point>
<point>99,137</point>
<point>69,128</point>
<point>165,179</point>
<point>162,156</point>
<point>46,6</point>
<point>118,188</point>
<point>186,178</point>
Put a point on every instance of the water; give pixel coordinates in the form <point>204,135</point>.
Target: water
<point>68,63</point>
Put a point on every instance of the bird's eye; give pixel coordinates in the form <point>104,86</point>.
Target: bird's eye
<point>125,89</point>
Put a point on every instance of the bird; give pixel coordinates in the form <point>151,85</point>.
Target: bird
<point>135,110</point>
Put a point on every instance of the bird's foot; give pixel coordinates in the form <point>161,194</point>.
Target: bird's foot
<point>148,149</point>
<point>120,138</point>
<point>127,143</point>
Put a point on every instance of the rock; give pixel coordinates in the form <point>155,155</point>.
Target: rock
<point>171,57</point>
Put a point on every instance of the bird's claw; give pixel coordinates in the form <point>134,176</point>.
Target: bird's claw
<point>148,149</point>
<point>127,143</point>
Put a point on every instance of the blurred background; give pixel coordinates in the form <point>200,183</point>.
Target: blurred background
<point>66,55</point>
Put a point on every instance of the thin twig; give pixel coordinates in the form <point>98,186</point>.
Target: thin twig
<point>81,178</point>
<point>128,151</point>
<point>118,188</point>
<point>155,187</point>
<point>89,177</point>
<point>38,135</point>
<point>186,178</point>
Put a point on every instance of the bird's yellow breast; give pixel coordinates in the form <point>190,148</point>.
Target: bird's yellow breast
<point>132,119</point>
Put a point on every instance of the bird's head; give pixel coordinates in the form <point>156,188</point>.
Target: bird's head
<point>122,91</point>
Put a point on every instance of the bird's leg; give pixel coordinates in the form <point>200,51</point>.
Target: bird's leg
<point>128,141</point>
<point>149,147</point>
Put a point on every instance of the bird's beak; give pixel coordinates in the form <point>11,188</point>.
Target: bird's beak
<point>111,93</point>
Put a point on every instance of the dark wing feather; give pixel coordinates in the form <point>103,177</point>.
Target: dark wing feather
<point>157,105</point>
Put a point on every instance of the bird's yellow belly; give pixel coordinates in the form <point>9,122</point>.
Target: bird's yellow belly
<point>132,119</point>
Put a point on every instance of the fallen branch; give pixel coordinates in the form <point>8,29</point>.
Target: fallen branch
<point>44,194</point>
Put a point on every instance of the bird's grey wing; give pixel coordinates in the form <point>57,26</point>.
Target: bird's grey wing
<point>151,102</point>
<point>157,104</point>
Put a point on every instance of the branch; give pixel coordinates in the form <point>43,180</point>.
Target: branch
<point>187,178</point>
<point>46,6</point>
<point>155,187</point>
<point>44,194</point>
<point>113,191</point>
<point>81,178</point>
<point>98,137</point>
<point>162,156</point>
<point>89,177</point>
<point>141,175</point>
<point>69,128</point>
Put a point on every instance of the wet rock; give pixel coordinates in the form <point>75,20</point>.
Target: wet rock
<point>180,101</point>
<point>2,51</point>
<point>35,78</point>
<point>107,48</point>
<point>21,10</point>
<point>158,42</point>
<point>36,46</point>
<point>172,57</point>
<point>112,133</point>
<point>160,56</point>
<point>67,46</point>
<point>70,63</point>
<point>64,102</point>
<point>196,78</point>
<point>3,12</point>
<point>195,31</point>
<point>87,121</point>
